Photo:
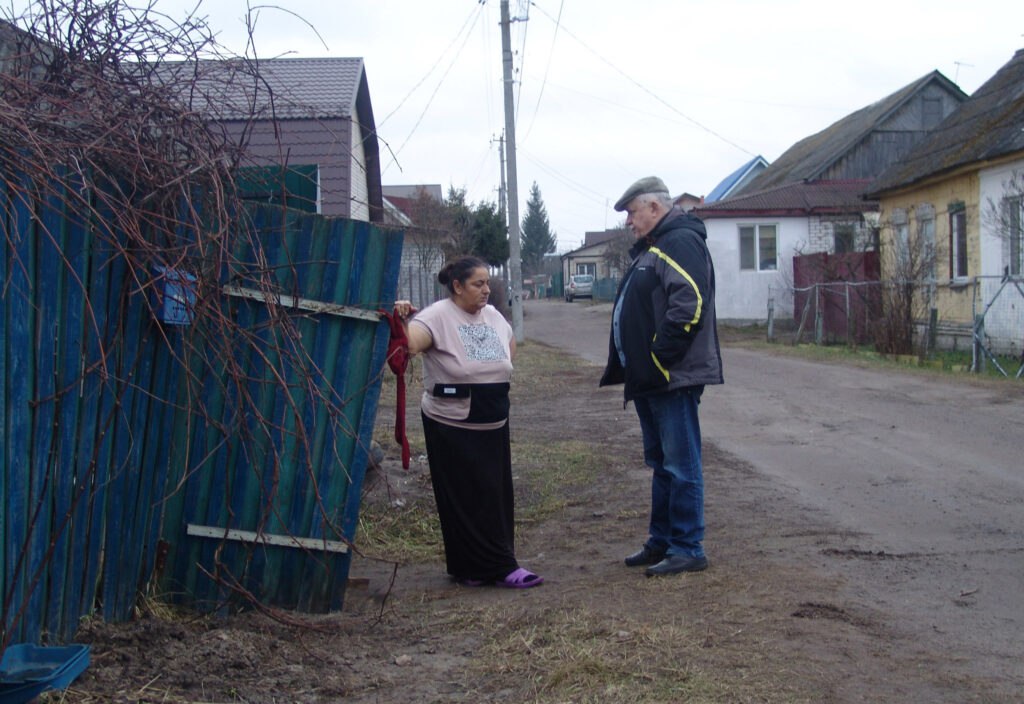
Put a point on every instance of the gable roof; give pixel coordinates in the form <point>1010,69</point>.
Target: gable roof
<point>794,200</point>
<point>989,125</point>
<point>737,178</point>
<point>282,89</point>
<point>810,158</point>
<point>600,236</point>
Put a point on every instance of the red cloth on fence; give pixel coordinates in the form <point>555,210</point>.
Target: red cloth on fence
<point>398,360</point>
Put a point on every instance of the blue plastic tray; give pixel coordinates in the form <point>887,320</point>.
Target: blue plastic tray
<point>26,670</point>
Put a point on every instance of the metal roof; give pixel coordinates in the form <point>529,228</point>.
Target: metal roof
<point>794,200</point>
<point>289,88</point>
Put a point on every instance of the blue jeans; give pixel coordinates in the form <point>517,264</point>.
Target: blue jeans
<point>671,432</point>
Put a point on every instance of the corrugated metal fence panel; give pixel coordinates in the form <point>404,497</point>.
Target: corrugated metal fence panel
<point>77,363</point>
<point>319,389</point>
<point>91,428</point>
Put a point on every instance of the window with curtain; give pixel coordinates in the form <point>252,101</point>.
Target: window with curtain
<point>759,247</point>
<point>845,236</point>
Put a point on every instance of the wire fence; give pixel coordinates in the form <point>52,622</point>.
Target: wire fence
<point>984,315</point>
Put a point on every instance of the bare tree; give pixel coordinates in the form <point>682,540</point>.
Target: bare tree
<point>908,291</point>
<point>1005,219</point>
<point>616,254</point>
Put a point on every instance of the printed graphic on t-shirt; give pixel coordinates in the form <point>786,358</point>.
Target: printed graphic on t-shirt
<point>481,342</point>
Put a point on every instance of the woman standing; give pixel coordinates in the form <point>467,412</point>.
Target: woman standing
<point>467,348</point>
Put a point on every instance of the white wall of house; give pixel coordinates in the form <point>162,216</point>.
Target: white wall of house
<point>997,183</point>
<point>1002,301</point>
<point>742,294</point>
<point>360,209</point>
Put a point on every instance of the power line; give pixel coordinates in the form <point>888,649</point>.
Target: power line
<point>547,68</point>
<point>647,90</point>
<point>469,22</point>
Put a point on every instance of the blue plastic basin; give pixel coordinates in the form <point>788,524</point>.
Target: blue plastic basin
<point>26,670</point>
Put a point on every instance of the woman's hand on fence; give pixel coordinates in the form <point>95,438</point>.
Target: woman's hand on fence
<point>404,310</point>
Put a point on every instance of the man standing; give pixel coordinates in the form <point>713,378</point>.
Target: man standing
<point>664,348</point>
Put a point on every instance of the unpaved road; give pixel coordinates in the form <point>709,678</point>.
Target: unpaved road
<point>922,478</point>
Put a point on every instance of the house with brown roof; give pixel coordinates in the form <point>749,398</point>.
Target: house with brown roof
<point>306,127</point>
<point>809,199</point>
<point>592,256</point>
<point>959,195</point>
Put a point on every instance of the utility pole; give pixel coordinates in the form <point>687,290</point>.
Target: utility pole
<point>515,261</point>
<point>501,176</point>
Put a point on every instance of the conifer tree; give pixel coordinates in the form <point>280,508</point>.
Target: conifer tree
<point>537,238</point>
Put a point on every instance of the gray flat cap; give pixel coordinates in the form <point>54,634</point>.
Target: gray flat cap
<point>650,184</point>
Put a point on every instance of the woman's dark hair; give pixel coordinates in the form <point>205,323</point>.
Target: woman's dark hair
<point>459,270</point>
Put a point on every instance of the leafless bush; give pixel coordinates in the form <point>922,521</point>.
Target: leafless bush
<point>103,105</point>
<point>910,261</point>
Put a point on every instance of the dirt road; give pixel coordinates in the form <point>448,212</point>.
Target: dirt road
<point>864,532</point>
<point>921,480</point>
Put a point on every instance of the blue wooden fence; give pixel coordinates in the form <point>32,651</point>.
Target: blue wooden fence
<point>120,437</point>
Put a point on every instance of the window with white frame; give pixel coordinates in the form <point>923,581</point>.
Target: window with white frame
<point>759,247</point>
<point>926,236</point>
<point>957,241</point>
<point>901,240</point>
<point>1014,208</point>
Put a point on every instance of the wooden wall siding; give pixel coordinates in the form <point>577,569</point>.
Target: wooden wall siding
<point>891,140</point>
<point>94,420</point>
<point>326,143</point>
<point>304,478</point>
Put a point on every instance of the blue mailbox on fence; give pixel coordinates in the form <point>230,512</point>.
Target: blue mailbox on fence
<point>175,296</point>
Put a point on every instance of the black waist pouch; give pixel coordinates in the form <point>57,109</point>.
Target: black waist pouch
<point>488,403</point>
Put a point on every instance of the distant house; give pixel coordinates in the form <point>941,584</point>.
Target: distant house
<point>734,183</point>
<point>423,251</point>
<point>688,201</point>
<point>959,193</point>
<point>306,126</point>
<point>592,257</point>
<point>808,200</point>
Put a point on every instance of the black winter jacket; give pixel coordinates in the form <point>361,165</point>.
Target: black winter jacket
<point>667,321</point>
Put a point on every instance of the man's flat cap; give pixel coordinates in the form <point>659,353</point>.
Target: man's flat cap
<point>650,184</point>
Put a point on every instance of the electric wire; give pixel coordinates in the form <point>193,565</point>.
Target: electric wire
<point>547,68</point>
<point>430,101</point>
<point>471,19</point>
<point>647,90</point>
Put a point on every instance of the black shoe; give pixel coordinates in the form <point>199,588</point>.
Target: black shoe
<point>674,564</point>
<point>647,556</point>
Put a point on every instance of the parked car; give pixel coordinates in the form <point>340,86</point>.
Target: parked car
<point>579,286</point>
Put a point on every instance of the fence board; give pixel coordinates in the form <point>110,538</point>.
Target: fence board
<point>301,485</point>
<point>102,406</point>
<point>19,378</point>
<point>5,336</point>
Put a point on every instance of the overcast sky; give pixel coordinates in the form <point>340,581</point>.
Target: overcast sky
<point>607,92</point>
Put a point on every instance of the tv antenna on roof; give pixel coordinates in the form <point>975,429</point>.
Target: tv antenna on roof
<point>956,75</point>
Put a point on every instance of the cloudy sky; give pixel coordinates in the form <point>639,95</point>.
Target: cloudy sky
<point>607,92</point>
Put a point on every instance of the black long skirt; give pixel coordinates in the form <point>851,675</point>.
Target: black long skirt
<point>471,472</point>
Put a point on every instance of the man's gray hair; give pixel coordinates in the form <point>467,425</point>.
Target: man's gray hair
<point>662,198</point>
